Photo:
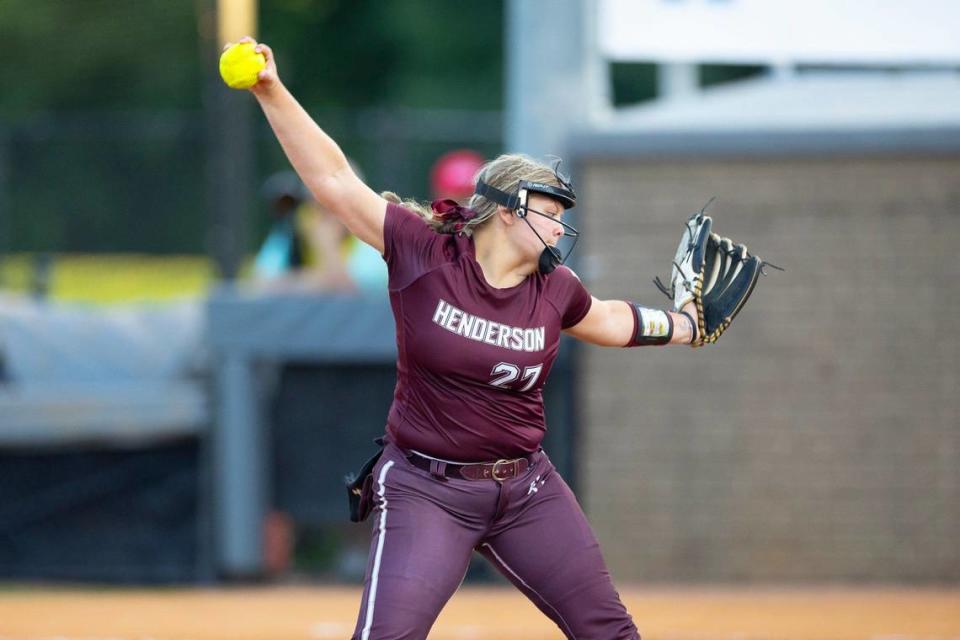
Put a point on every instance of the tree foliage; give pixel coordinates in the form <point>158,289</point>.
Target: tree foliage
<point>146,54</point>
<point>98,54</point>
<point>101,111</point>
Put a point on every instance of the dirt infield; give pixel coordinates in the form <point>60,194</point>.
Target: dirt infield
<point>302,613</point>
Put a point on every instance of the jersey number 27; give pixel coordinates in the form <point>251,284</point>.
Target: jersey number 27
<point>504,374</point>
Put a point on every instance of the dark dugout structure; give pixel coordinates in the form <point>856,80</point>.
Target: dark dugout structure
<point>103,423</point>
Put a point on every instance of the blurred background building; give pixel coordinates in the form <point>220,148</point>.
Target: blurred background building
<point>165,419</point>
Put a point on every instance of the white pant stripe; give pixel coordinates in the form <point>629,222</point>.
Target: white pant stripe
<point>566,627</point>
<point>374,576</point>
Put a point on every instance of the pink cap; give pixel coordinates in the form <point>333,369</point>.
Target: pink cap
<point>452,174</point>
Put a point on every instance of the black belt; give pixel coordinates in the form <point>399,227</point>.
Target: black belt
<point>499,470</point>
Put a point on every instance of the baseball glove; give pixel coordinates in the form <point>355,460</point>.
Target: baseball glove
<point>715,273</point>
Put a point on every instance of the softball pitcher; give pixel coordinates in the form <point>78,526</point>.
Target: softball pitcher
<point>481,296</point>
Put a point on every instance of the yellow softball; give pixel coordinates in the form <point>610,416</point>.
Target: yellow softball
<point>240,64</point>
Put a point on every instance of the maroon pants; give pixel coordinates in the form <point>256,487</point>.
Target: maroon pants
<point>530,527</point>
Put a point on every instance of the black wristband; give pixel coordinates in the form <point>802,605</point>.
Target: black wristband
<point>693,327</point>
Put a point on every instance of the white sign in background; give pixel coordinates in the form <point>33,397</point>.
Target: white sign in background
<point>870,32</point>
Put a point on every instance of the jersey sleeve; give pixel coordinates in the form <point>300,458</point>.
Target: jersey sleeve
<point>570,297</point>
<point>410,247</point>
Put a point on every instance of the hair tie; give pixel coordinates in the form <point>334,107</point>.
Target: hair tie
<point>452,211</point>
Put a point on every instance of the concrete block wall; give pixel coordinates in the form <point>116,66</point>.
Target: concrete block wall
<point>819,440</point>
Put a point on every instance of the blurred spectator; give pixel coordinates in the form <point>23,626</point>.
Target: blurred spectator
<point>452,175</point>
<point>308,249</point>
<point>283,248</point>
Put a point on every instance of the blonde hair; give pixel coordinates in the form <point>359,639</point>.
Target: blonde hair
<point>504,173</point>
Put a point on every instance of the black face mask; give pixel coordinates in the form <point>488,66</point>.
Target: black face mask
<point>551,257</point>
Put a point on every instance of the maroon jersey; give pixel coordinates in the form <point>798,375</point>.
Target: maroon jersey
<point>472,359</point>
